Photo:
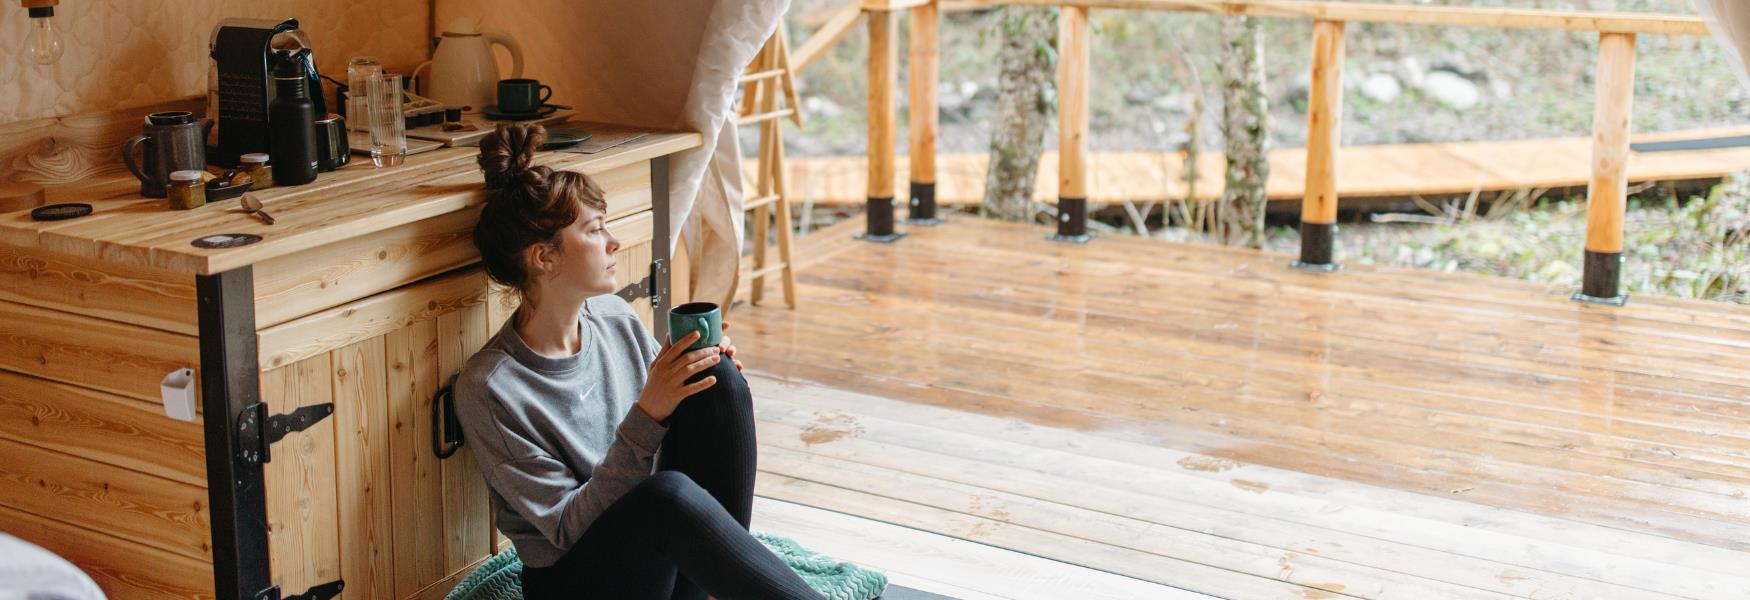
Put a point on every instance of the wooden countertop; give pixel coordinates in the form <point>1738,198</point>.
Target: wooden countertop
<point>357,200</point>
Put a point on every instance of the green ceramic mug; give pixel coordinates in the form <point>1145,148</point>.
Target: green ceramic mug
<point>703,317</point>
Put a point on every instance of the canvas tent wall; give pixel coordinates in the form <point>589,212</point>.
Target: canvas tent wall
<point>658,64</point>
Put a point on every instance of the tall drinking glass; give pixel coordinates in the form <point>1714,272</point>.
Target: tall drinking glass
<point>358,81</point>
<point>388,131</point>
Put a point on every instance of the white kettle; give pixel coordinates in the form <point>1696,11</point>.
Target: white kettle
<point>463,70</point>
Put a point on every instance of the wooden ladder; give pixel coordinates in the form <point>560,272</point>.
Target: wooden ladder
<point>768,96</point>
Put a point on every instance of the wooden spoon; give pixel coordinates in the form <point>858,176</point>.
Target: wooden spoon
<point>254,206</point>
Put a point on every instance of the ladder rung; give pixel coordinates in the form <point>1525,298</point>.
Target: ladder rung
<point>760,201</point>
<point>752,77</point>
<point>776,114</point>
<point>768,270</point>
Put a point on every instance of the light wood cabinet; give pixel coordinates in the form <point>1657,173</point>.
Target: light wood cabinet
<point>361,302</point>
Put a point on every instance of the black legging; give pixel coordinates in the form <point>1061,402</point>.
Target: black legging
<point>691,515</point>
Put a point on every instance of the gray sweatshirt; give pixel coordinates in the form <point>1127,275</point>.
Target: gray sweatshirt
<point>560,439</point>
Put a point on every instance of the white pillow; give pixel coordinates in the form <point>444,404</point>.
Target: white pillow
<point>29,572</point>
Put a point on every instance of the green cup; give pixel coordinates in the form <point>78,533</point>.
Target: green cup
<point>521,96</point>
<point>703,317</point>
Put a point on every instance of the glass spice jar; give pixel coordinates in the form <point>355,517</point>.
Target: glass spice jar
<point>186,190</point>
<point>255,164</point>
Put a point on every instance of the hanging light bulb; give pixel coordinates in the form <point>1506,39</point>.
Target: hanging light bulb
<point>43,44</point>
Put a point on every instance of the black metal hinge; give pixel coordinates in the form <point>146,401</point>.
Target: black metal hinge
<point>646,287</point>
<point>635,290</point>
<point>653,285</point>
<point>320,592</point>
<point>257,432</point>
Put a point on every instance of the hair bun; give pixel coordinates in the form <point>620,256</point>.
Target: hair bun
<point>526,204</point>
<point>507,156</point>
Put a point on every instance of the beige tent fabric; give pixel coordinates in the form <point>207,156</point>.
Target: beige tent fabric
<point>1729,20</point>
<point>667,64</point>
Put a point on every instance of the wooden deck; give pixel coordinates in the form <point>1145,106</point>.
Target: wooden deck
<point>1366,171</point>
<point>1148,417</point>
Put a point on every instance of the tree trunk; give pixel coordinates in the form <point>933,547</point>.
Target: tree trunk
<point>1245,125</point>
<point>1026,101</point>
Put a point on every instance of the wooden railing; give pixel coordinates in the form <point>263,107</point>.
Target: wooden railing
<point>1606,195</point>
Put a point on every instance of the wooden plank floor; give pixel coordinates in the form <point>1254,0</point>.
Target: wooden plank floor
<point>1206,419</point>
<point>953,567</point>
<point>1366,171</point>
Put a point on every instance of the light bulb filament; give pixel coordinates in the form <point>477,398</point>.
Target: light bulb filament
<point>44,45</point>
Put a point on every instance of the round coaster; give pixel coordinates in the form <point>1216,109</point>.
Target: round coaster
<point>226,240</point>
<point>60,212</point>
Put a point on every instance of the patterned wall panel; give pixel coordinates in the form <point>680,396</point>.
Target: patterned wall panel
<point>124,53</point>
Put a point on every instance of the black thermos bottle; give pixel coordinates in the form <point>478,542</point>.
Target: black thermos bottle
<point>291,122</point>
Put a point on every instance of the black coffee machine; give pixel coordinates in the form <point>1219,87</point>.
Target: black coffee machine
<point>242,52</point>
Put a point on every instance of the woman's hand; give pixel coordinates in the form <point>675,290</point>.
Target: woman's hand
<point>728,348</point>
<point>667,385</point>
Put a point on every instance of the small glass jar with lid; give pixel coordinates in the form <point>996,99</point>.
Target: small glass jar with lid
<point>186,190</point>
<point>256,165</point>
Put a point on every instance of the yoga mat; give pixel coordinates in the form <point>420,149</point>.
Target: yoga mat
<point>895,592</point>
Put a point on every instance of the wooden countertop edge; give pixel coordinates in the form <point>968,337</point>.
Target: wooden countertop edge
<point>180,257</point>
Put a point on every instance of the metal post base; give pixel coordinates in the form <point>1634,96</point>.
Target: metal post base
<point>884,238</point>
<point>1316,267</point>
<point>1612,300</point>
<point>1602,279</point>
<point>879,216</point>
<point>1072,220</point>
<point>1316,242</point>
<point>922,210</point>
<point>1071,239</point>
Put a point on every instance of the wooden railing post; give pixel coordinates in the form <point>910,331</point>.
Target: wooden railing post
<point>883,124</point>
<point>1607,194</point>
<point>1324,122</point>
<point>1073,63</point>
<point>921,128</point>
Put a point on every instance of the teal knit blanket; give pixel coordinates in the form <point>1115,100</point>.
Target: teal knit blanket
<point>500,577</point>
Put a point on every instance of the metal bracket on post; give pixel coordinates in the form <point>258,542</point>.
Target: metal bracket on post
<point>1316,242</point>
<point>922,212</point>
<point>879,216</point>
<point>325,591</point>
<point>1603,280</point>
<point>257,432</point>
<point>1072,221</point>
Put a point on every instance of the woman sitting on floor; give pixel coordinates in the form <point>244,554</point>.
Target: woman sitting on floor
<point>569,403</point>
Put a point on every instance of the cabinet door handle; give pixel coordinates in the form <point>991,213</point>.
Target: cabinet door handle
<point>446,428</point>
